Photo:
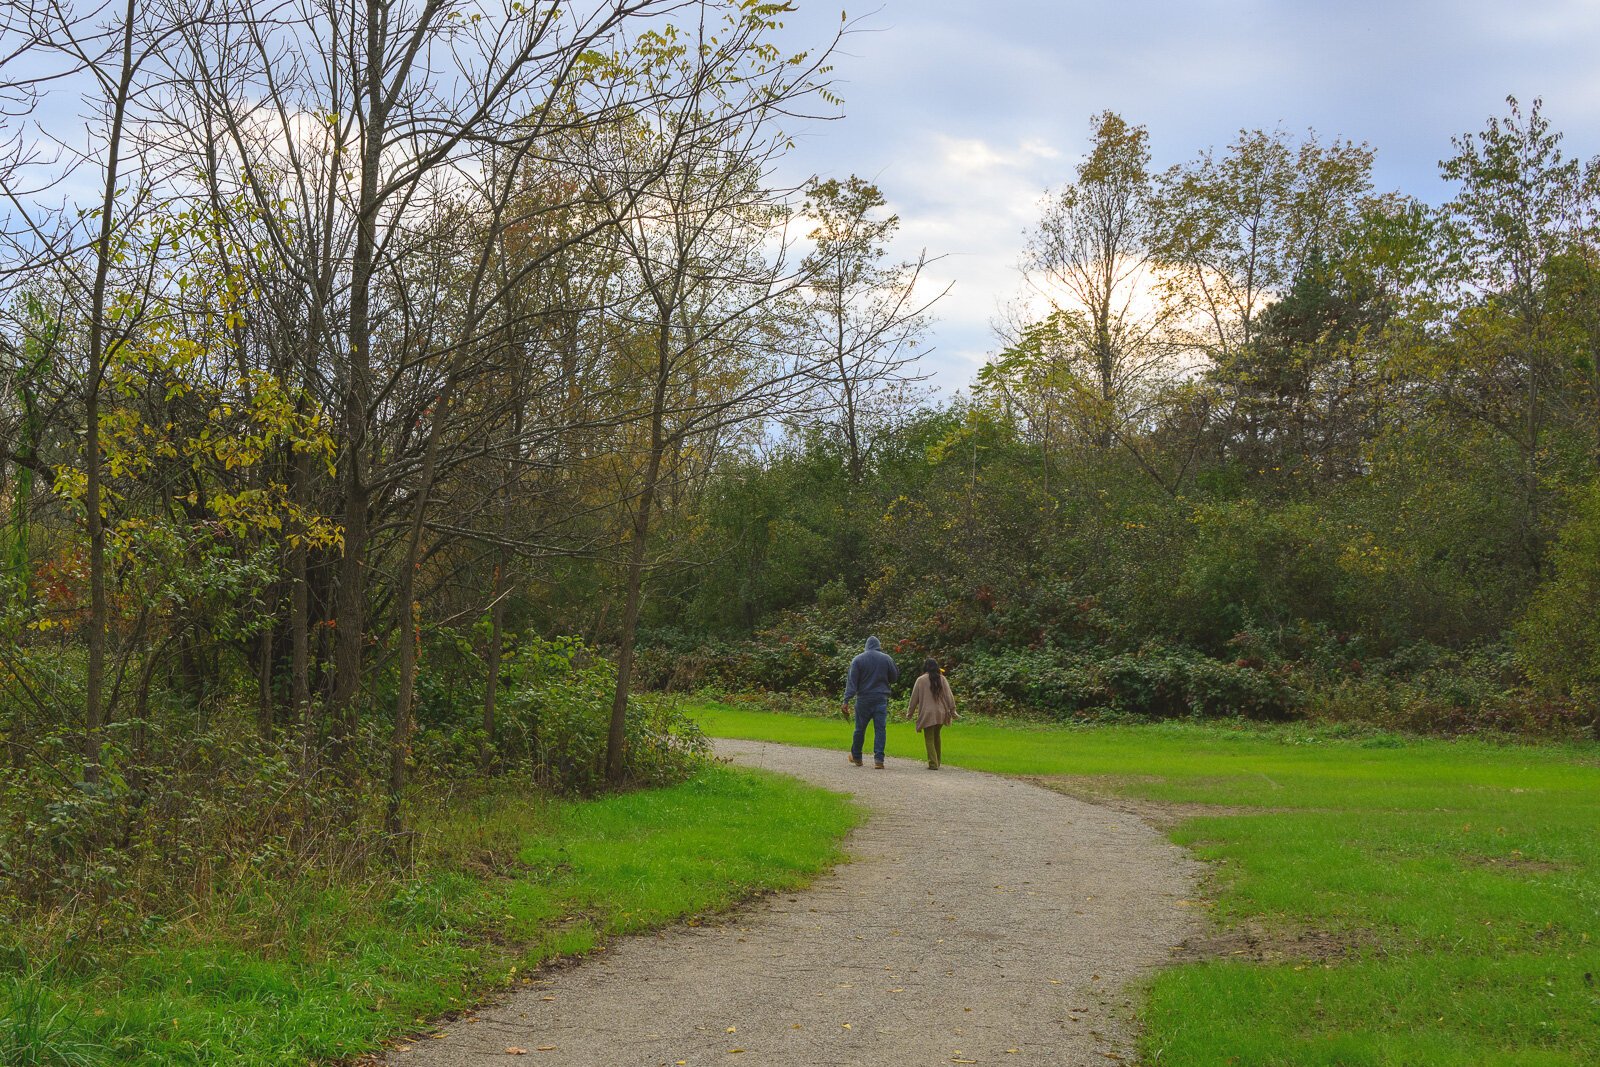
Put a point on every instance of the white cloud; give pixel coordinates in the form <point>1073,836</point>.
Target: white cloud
<point>969,201</point>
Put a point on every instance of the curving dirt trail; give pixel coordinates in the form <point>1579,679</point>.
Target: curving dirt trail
<point>981,920</point>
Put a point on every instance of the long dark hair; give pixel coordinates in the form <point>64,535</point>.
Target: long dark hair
<point>930,667</point>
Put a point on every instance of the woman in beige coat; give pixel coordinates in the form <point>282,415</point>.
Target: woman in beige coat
<point>932,706</point>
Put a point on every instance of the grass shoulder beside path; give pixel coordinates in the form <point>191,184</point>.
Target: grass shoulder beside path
<point>1452,888</point>
<point>284,975</point>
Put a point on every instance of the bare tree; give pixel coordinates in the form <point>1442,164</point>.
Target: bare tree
<point>706,246</point>
<point>113,54</point>
<point>1091,258</point>
<point>864,314</point>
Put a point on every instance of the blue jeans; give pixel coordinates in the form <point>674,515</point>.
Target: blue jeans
<point>876,711</point>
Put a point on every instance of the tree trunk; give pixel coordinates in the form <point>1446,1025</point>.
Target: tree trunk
<point>350,613</point>
<point>491,685</point>
<point>300,629</point>
<point>93,711</point>
<point>616,739</point>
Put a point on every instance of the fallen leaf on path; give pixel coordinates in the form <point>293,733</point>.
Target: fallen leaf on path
<point>548,1048</point>
<point>733,1029</point>
<point>514,1050</point>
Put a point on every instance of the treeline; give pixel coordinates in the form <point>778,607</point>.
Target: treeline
<point>344,342</point>
<point>1270,442</point>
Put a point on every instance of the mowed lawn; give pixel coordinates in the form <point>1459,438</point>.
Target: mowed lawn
<point>1452,887</point>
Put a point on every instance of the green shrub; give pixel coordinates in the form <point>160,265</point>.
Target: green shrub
<point>1558,638</point>
<point>556,717</point>
<point>1155,681</point>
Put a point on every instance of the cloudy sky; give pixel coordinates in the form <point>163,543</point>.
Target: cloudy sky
<point>965,111</point>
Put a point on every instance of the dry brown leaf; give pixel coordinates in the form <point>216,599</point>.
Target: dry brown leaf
<point>513,1050</point>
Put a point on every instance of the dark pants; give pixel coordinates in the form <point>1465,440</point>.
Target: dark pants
<point>930,737</point>
<point>876,711</point>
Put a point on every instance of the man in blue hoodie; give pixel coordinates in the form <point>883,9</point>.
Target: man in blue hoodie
<point>871,675</point>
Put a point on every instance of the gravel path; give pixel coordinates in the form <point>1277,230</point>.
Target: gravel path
<point>981,920</point>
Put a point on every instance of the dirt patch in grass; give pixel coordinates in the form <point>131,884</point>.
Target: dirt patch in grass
<point>1163,815</point>
<point>1257,944</point>
<point>1516,863</point>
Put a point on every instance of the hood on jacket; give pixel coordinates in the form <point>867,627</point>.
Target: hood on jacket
<point>872,644</point>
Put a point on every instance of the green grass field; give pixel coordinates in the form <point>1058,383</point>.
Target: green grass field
<point>1454,886</point>
<point>290,974</point>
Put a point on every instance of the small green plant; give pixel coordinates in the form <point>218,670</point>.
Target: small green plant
<point>38,1029</point>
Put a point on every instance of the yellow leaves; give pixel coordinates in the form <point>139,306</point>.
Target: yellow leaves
<point>71,483</point>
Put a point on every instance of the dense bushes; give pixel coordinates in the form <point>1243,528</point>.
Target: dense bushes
<point>190,805</point>
<point>798,654</point>
<point>1090,581</point>
<point>795,657</point>
<point>1088,673</point>
<point>552,715</point>
<point>1558,640</point>
<point>1156,681</point>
